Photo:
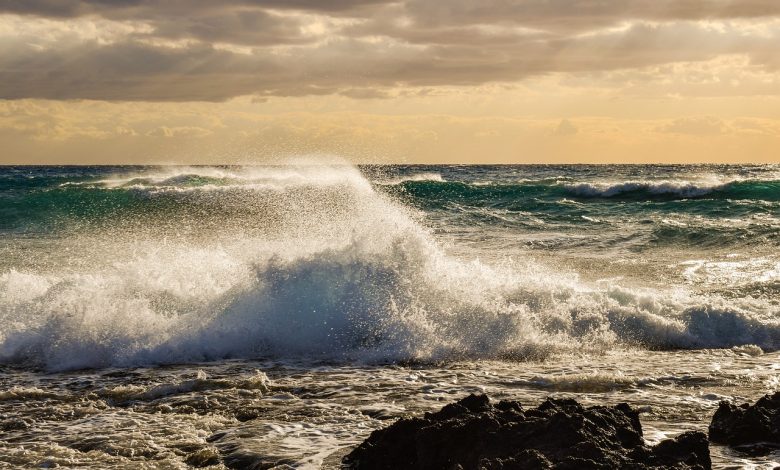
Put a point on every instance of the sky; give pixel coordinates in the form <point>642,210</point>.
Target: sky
<point>406,81</point>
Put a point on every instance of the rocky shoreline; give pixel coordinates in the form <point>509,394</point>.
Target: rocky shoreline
<point>752,429</point>
<point>475,433</point>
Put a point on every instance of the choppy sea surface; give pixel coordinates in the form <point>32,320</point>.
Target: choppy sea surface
<point>161,317</point>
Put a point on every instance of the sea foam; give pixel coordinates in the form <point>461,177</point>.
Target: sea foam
<point>312,262</point>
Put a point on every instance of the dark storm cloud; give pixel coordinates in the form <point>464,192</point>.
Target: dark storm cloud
<point>355,48</point>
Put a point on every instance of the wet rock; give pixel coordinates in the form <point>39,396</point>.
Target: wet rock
<point>687,448</point>
<point>753,429</point>
<point>559,434</point>
<point>202,458</point>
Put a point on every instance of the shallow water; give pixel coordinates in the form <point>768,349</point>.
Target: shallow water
<point>154,317</point>
<point>310,414</point>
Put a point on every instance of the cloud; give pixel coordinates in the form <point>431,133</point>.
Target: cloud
<point>584,15</point>
<point>150,8</point>
<point>695,125</point>
<point>95,132</point>
<point>577,15</point>
<point>139,50</point>
<point>756,127</point>
<point>565,128</point>
<point>179,131</point>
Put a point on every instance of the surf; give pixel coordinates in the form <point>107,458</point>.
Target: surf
<point>315,261</point>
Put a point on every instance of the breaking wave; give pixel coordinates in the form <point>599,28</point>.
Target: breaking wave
<point>737,189</point>
<point>314,262</point>
<point>762,190</point>
<point>425,176</point>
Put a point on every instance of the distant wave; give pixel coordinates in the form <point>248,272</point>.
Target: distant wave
<point>764,190</point>
<point>671,188</point>
<point>426,176</point>
<point>192,189</point>
<point>315,262</point>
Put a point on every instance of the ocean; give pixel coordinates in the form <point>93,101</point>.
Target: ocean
<point>228,316</point>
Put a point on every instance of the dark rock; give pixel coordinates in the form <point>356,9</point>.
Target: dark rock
<point>752,429</point>
<point>687,448</point>
<point>558,434</point>
<point>527,459</point>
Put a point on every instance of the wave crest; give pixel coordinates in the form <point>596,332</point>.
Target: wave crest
<point>671,188</point>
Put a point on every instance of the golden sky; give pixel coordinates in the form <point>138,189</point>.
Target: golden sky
<point>414,81</point>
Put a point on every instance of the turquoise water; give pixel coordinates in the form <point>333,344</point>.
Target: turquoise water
<point>652,206</point>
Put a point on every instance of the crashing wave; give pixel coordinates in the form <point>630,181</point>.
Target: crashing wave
<point>316,263</point>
